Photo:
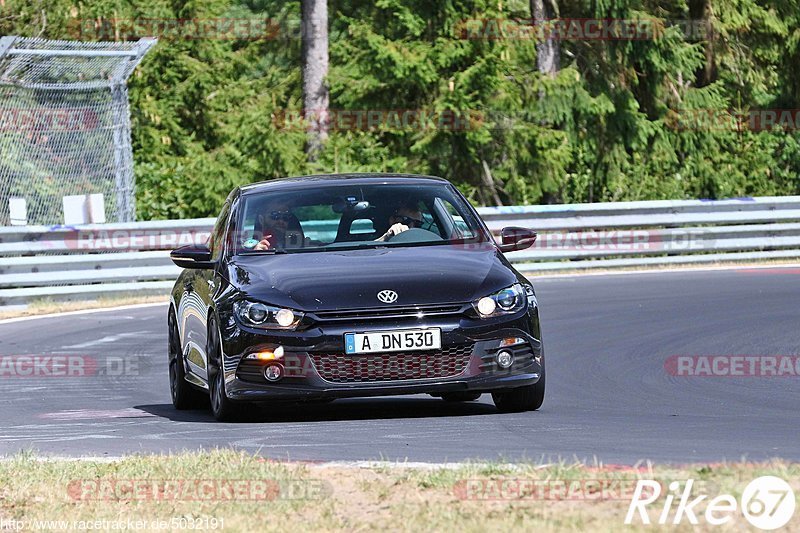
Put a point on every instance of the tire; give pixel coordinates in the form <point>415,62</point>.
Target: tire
<point>184,396</point>
<point>460,396</point>
<point>528,398</point>
<point>223,409</point>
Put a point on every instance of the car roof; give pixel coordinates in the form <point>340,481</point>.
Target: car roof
<point>299,182</point>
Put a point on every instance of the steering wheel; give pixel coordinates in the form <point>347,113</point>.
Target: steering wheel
<point>414,235</point>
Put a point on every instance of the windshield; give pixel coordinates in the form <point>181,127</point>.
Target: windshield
<point>354,216</point>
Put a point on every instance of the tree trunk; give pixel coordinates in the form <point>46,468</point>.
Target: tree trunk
<point>315,69</point>
<point>488,182</point>
<point>702,11</point>
<point>548,49</point>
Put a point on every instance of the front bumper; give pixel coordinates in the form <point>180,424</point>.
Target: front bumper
<point>306,378</point>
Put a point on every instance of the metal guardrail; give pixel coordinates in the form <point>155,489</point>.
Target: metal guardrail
<point>97,260</point>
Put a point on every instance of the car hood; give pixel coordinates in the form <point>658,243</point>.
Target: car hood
<point>351,279</point>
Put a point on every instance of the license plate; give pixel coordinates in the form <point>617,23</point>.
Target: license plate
<point>403,340</point>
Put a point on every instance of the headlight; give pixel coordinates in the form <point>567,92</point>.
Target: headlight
<point>258,315</point>
<point>503,302</point>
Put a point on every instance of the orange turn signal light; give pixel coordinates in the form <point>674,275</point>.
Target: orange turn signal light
<point>273,355</point>
<point>511,341</point>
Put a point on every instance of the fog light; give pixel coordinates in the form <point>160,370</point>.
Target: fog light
<point>504,359</point>
<point>273,372</point>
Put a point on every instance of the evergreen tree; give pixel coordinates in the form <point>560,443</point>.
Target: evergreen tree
<point>510,119</point>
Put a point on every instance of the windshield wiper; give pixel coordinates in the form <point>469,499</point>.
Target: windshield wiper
<point>263,252</point>
<point>353,246</point>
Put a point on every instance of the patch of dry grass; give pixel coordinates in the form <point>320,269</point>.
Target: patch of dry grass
<point>312,497</point>
<point>45,306</point>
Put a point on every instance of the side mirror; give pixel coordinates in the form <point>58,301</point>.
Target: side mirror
<point>513,239</point>
<point>192,256</point>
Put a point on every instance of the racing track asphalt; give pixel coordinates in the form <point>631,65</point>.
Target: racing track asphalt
<point>609,394</point>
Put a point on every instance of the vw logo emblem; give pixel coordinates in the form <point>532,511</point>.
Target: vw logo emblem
<point>387,297</point>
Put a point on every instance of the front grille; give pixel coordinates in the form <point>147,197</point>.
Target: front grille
<point>340,368</point>
<point>389,312</point>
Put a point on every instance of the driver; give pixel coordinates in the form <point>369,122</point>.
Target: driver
<point>404,218</point>
<point>274,224</point>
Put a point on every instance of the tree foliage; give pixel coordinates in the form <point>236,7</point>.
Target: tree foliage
<point>622,119</point>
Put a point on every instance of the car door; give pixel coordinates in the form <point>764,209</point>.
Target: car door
<point>199,288</point>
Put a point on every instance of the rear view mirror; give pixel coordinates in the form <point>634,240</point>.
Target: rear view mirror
<point>192,256</point>
<point>349,204</point>
<point>513,239</point>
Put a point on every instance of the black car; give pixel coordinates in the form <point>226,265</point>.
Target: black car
<point>323,287</point>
